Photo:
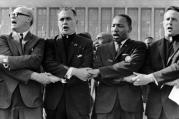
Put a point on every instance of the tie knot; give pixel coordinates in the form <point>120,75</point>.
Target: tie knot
<point>119,43</point>
<point>21,35</point>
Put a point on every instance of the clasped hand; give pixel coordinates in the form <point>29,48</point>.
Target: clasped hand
<point>85,74</point>
<point>138,79</point>
<point>45,78</point>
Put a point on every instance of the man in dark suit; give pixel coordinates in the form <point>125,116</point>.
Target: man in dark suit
<point>21,92</point>
<point>66,56</point>
<point>116,97</point>
<point>162,67</point>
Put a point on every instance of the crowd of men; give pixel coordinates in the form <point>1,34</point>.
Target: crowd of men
<point>55,74</point>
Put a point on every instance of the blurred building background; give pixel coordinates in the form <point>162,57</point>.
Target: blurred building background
<point>94,15</point>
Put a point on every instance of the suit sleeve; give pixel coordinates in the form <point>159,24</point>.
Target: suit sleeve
<point>97,61</point>
<point>114,73</point>
<point>21,75</point>
<point>167,74</point>
<point>50,64</point>
<point>88,55</point>
<point>28,61</point>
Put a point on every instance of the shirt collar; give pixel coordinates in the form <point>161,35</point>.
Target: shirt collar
<point>24,34</point>
<point>122,43</point>
<point>16,35</point>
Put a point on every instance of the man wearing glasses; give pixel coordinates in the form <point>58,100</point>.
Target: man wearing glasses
<point>21,53</point>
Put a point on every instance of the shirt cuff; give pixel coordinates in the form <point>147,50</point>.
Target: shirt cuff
<point>5,63</point>
<point>68,75</point>
<point>151,76</point>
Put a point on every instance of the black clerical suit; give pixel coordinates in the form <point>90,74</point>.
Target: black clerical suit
<point>70,100</point>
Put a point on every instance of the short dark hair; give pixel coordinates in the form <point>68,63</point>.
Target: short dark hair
<point>175,8</point>
<point>128,19</point>
<point>68,8</point>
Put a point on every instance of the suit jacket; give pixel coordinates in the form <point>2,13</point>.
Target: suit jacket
<point>21,66</point>
<point>112,70</point>
<point>56,62</point>
<point>164,70</point>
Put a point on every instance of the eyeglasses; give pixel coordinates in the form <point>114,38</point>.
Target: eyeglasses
<point>17,14</point>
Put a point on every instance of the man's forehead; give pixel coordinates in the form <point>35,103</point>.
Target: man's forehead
<point>65,13</point>
<point>171,13</point>
<point>119,19</point>
<point>24,10</point>
<point>20,9</point>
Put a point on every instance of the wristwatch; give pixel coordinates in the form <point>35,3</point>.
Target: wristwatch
<point>5,63</point>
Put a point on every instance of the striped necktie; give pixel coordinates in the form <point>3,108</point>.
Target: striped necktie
<point>21,38</point>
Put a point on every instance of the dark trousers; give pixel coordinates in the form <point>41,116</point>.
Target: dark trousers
<point>65,111</point>
<point>118,113</point>
<point>24,113</point>
<point>162,116</point>
<point>18,110</point>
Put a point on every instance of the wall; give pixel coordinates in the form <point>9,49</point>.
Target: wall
<point>94,15</point>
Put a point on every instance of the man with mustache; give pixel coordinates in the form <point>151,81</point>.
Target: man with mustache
<point>66,56</point>
<point>161,68</point>
<point>116,97</point>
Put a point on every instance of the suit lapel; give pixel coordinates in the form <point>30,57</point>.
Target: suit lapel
<point>112,49</point>
<point>30,42</point>
<point>71,50</point>
<point>162,51</point>
<point>123,48</point>
<point>14,46</point>
<point>112,53</point>
<point>176,48</point>
<point>60,50</point>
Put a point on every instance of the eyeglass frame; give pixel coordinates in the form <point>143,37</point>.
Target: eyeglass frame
<point>17,14</point>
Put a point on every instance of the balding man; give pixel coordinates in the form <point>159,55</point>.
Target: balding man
<point>21,53</point>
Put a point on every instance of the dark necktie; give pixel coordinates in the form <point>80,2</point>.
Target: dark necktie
<point>21,38</point>
<point>170,49</point>
<point>118,48</point>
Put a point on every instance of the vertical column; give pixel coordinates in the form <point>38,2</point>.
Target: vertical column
<point>126,10</point>
<point>47,23</point>
<point>139,24</point>
<point>158,23</point>
<point>133,13</point>
<point>53,21</point>
<point>106,19</point>
<point>112,12</point>
<point>86,19</point>
<point>152,22</point>
<point>145,23</point>
<point>99,19</point>
<point>35,21</point>
<point>81,19</point>
<point>93,22</point>
<point>5,20</point>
